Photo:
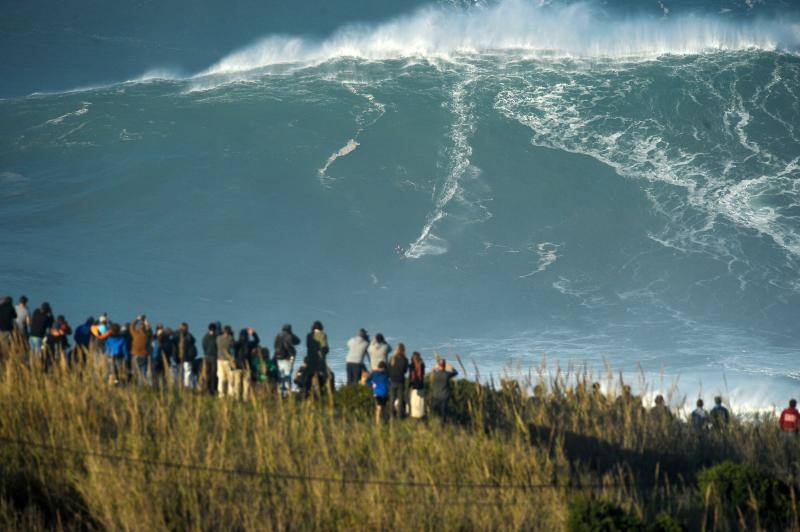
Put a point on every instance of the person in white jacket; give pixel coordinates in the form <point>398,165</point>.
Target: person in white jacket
<point>356,351</point>
<point>378,351</point>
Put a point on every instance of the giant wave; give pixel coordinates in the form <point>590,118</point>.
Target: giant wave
<point>574,30</point>
<point>502,180</point>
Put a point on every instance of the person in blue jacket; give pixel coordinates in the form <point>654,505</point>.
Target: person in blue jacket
<point>83,336</point>
<point>117,354</point>
<point>379,381</point>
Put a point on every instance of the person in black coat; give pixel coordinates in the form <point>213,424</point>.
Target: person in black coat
<point>7,318</point>
<point>210,358</point>
<point>187,355</point>
<point>285,354</point>
<point>41,322</point>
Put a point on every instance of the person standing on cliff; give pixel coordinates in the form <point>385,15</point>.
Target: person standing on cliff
<point>225,367</point>
<point>398,367</point>
<point>378,351</point>
<point>789,422</point>
<point>441,389</point>
<point>23,317</point>
<point>141,336</point>
<point>8,318</point>
<point>316,360</point>
<point>285,354</point>
<point>210,358</point>
<point>416,382</point>
<point>41,323</point>
<point>356,351</point>
<point>379,381</point>
<point>699,416</point>
<point>719,414</point>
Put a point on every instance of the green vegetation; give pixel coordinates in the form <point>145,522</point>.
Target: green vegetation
<point>756,498</point>
<point>77,453</point>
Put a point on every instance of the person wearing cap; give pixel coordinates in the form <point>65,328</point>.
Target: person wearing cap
<point>285,353</point>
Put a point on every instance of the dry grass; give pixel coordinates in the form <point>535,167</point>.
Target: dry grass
<point>113,457</point>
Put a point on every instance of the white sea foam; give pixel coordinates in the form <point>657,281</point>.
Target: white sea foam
<point>740,202</point>
<point>581,29</point>
<point>82,110</point>
<point>156,74</point>
<point>725,173</point>
<point>547,253</point>
<point>351,145</point>
<point>364,119</point>
<point>428,243</point>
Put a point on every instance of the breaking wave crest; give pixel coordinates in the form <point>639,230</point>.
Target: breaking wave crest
<point>577,30</point>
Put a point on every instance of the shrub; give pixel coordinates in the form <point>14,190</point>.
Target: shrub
<point>588,515</point>
<point>665,523</point>
<point>354,401</point>
<point>741,486</point>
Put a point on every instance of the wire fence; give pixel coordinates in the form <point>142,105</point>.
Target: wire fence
<point>293,477</point>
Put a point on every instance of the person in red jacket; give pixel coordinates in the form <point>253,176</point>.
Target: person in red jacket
<point>790,420</point>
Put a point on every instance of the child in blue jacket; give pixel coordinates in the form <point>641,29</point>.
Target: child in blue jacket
<point>379,381</point>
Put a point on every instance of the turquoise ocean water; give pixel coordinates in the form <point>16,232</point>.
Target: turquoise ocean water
<point>595,183</point>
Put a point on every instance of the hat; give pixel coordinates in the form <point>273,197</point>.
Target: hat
<point>103,319</point>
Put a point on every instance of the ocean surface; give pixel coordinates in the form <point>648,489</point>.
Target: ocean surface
<point>576,184</point>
